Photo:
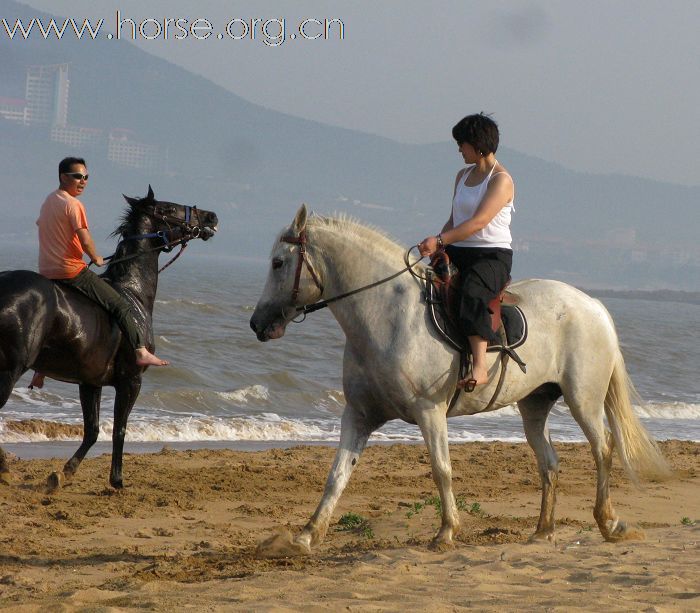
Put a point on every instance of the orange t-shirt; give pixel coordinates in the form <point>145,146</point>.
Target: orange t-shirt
<point>60,251</point>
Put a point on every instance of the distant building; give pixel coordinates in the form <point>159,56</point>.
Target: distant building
<point>46,104</point>
<point>47,95</point>
<point>126,151</point>
<point>13,109</point>
<point>77,136</point>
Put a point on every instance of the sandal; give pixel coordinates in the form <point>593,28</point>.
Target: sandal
<point>467,385</point>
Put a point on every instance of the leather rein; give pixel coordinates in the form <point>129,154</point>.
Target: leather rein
<point>303,259</point>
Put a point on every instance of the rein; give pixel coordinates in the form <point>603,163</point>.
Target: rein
<point>301,240</point>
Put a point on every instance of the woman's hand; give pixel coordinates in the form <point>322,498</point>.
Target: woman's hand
<point>428,246</point>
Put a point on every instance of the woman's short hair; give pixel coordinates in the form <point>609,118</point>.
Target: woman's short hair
<point>480,131</point>
<point>66,164</point>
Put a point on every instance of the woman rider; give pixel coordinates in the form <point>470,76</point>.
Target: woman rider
<point>477,234</point>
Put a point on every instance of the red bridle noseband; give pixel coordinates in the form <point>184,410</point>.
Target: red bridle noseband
<point>301,241</point>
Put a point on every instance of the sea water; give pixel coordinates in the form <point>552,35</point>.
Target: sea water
<point>224,387</point>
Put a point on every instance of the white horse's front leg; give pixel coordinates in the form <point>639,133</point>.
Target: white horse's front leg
<point>355,429</point>
<point>433,425</point>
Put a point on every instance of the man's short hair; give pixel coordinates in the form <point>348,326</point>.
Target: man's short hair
<point>66,163</point>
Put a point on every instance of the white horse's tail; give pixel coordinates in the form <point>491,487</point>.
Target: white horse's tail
<point>639,453</point>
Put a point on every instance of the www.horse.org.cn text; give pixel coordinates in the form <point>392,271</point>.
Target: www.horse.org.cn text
<point>272,32</point>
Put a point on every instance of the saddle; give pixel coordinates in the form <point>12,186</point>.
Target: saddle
<point>443,296</point>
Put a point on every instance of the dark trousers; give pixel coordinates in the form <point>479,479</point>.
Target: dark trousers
<point>484,272</point>
<point>101,292</point>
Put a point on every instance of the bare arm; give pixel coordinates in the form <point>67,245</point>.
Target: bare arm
<point>449,224</point>
<point>498,193</point>
<point>88,246</point>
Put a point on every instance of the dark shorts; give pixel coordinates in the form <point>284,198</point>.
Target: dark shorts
<point>484,272</point>
<point>101,292</point>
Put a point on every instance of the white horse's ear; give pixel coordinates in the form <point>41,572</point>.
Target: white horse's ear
<point>300,219</point>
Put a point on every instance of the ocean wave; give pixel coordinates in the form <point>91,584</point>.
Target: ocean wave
<point>253,392</point>
<point>269,427</point>
<point>194,305</point>
<point>44,399</point>
<point>668,410</point>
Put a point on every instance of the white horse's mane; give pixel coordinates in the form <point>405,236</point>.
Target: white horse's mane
<point>350,227</point>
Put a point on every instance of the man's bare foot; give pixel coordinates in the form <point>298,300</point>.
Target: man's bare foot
<point>37,381</point>
<point>145,358</point>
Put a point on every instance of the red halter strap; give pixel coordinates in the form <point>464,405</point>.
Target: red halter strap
<point>301,241</point>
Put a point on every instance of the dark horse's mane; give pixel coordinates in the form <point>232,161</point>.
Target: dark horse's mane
<point>128,223</point>
<point>128,226</point>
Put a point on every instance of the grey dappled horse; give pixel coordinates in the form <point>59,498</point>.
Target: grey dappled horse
<point>396,366</point>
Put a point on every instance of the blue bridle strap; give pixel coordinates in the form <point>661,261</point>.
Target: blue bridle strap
<point>160,234</point>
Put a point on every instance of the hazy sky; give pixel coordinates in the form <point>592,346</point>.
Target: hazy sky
<point>600,86</point>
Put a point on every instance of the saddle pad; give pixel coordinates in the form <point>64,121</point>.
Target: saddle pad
<point>514,323</point>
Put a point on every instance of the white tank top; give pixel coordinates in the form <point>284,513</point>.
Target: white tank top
<point>466,200</point>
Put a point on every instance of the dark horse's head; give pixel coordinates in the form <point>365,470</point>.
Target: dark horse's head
<point>168,222</point>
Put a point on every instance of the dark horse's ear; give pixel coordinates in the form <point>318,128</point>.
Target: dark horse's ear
<point>300,220</point>
<point>130,201</point>
<point>150,195</point>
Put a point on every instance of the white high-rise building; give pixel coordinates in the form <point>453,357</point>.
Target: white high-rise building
<point>47,94</point>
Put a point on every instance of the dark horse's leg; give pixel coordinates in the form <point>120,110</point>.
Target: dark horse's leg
<point>126,393</point>
<point>8,378</point>
<point>90,403</point>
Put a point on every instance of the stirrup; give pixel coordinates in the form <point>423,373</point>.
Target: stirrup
<point>469,385</point>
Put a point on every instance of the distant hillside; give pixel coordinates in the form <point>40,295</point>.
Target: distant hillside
<point>254,166</point>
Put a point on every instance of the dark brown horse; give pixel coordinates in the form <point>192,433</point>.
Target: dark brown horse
<point>54,329</point>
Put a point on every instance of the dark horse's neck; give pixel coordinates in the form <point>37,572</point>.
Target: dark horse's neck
<point>135,271</point>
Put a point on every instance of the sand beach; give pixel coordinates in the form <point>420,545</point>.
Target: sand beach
<point>183,534</point>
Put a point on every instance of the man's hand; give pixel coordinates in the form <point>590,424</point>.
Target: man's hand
<point>98,260</point>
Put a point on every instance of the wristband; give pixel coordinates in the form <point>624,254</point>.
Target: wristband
<point>440,244</point>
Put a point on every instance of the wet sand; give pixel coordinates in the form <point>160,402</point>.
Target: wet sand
<point>184,532</point>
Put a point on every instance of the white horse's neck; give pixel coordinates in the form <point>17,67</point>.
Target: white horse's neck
<point>350,256</point>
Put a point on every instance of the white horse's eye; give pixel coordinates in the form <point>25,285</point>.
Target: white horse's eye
<point>277,263</point>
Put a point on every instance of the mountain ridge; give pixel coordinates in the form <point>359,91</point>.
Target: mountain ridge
<point>254,166</point>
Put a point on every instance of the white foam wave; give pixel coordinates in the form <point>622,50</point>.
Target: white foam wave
<point>252,392</point>
<point>43,398</point>
<point>269,427</point>
<point>669,410</point>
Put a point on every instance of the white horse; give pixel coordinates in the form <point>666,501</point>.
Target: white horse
<point>396,366</point>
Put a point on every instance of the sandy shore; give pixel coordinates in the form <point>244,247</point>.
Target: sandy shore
<point>183,534</point>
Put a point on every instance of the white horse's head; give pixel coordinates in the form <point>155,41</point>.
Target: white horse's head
<point>293,280</point>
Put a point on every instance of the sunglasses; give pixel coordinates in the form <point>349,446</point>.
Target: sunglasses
<point>77,176</point>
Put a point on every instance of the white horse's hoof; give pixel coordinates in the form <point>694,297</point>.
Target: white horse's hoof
<point>622,532</point>
<point>543,537</point>
<point>281,545</point>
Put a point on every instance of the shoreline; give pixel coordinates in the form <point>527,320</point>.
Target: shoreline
<point>187,524</point>
<point>64,449</point>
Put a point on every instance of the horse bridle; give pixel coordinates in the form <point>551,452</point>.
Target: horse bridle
<point>303,259</point>
<point>301,240</point>
<point>189,231</point>
<point>159,212</point>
